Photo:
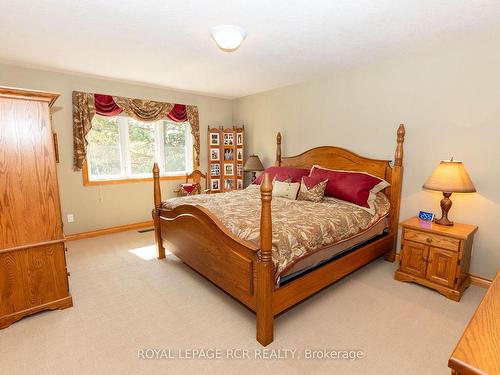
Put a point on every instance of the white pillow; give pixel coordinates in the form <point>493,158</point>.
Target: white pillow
<point>286,189</point>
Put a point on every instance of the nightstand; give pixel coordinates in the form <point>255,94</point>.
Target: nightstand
<point>436,256</point>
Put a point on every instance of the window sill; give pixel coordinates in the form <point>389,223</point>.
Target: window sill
<point>131,180</point>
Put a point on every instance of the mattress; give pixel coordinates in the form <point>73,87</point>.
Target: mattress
<point>301,229</point>
<point>313,259</point>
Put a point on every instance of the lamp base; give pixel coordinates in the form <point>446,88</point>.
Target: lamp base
<point>445,207</point>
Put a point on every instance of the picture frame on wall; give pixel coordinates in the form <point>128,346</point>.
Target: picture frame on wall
<point>215,184</point>
<point>228,184</point>
<point>228,154</point>
<point>239,169</point>
<point>214,139</point>
<point>239,139</point>
<point>214,169</point>
<point>229,169</point>
<point>239,154</point>
<point>239,184</point>
<point>214,154</point>
<point>228,139</point>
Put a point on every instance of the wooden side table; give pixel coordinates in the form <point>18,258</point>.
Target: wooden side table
<point>436,256</point>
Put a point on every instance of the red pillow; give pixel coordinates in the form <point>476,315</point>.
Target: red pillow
<point>352,187</point>
<point>295,174</point>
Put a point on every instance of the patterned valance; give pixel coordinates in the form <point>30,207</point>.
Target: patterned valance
<point>86,105</point>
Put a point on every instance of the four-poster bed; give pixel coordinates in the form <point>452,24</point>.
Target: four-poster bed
<point>244,269</point>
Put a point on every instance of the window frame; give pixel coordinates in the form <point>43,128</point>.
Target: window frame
<point>159,153</point>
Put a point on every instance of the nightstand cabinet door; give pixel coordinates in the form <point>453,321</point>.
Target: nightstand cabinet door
<point>442,266</point>
<point>414,258</point>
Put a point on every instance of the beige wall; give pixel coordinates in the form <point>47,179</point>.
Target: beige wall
<point>103,206</point>
<point>449,99</point>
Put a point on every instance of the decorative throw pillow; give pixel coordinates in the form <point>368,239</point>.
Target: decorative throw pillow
<point>294,173</point>
<point>355,187</point>
<point>286,189</point>
<point>312,189</point>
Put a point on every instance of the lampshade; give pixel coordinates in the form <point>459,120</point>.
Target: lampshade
<point>253,164</point>
<point>451,177</point>
<point>228,37</point>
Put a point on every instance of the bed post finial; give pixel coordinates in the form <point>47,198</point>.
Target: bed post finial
<point>156,212</point>
<point>265,267</point>
<point>398,158</point>
<point>278,149</point>
<point>156,182</point>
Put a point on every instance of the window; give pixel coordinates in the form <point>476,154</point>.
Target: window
<point>122,148</point>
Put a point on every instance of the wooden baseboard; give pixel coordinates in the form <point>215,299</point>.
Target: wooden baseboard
<point>482,282</point>
<point>100,232</point>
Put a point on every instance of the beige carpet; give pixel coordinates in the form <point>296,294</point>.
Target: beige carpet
<point>126,301</point>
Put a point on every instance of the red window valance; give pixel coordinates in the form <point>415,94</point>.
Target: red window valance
<point>86,105</point>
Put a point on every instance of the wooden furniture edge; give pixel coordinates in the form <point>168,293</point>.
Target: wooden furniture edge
<point>109,230</point>
<point>59,304</point>
<point>480,281</point>
<point>458,366</point>
<point>43,96</point>
<point>448,231</point>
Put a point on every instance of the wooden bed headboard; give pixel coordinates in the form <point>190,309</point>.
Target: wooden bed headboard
<point>339,158</point>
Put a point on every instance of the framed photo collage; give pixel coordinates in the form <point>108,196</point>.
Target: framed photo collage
<point>226,157</point>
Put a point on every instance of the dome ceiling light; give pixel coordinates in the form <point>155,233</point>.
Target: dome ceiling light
<point>228,37</point>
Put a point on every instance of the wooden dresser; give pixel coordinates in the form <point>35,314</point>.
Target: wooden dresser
<point>33,275</point>
<point>478,351</point>
<point>436,256</point>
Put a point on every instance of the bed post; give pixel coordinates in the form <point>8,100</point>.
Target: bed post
<point>396,181</point>
<point>278,150</point>
<point>156,212</point>
<point>265,267</point>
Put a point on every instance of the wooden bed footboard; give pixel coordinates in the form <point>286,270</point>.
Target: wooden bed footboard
<point>197,238</point>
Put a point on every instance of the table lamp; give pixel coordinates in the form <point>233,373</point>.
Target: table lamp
<point>253,164</point>
<point>449,177</point>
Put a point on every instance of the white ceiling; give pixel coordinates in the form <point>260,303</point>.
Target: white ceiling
<point>167,43</point>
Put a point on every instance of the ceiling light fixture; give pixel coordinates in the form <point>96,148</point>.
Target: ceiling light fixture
<point>228,37</point>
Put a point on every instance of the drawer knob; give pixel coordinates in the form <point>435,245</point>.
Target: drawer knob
<point>429,240</point>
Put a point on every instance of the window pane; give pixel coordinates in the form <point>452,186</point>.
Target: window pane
<point>104,147</point>
<point>175,146</point>
<point>141,146</point>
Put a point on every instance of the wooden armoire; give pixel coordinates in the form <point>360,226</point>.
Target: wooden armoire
<point>33,275</point>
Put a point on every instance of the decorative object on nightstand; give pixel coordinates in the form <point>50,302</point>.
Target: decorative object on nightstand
<point>449,177</point>
<point>436,256</point>
<point>253,165</point>
<point>193,187</point>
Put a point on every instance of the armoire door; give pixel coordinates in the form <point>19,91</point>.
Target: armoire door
<point>29,201</point>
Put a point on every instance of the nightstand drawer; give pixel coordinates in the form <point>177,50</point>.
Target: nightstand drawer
<point>432,239</point>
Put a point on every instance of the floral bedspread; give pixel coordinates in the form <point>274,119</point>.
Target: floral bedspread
<point>299,227</point>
